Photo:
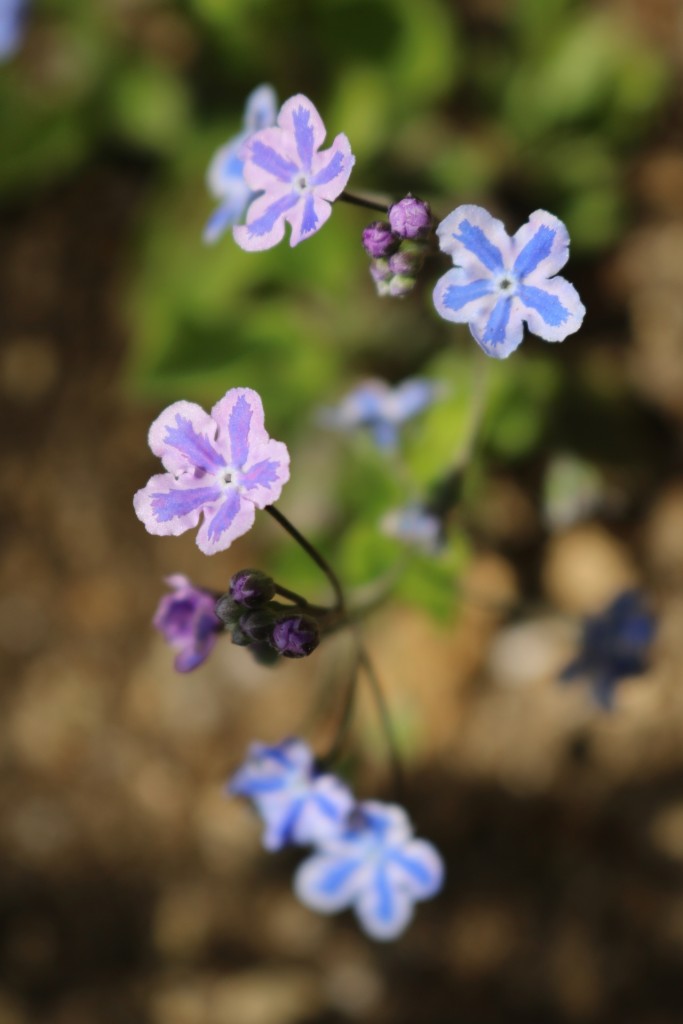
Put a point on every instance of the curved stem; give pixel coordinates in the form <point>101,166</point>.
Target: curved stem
<point>342,729</point>
<point>312,553</point>
<point>385,719</point>
<point>301,602</point>
<point>369,204</point>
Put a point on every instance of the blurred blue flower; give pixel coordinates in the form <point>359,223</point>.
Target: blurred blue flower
<point>499,282</point>
<point>615,644</point>
<point>189,624</point>
<point>12,21</point>
<point>376,867</point>
<point>380,408</point>
<point>295,802</point>
<point>225,177</point>
<point>415,525</point>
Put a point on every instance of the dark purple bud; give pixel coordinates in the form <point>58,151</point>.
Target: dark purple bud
<point>251,588</point>
<point>296,636</point>
<point>258,625</point>
<point>379,241</point>
<point>227,610</point>
<point>407,262</point>
<point>239,637</point>
<point>410,217</point>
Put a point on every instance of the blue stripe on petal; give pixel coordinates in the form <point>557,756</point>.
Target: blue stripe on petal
<point>547,305</point>
<point>309,221</point>
<point>268,159</point>
<point>494,334</point>
<point>385,908</point>
<point>458,295</point>
<point>535,251</point>
<point>329,173</point>
<point>337,876</point>
<point>303,134</point>
<point>413,867</point>
<point>238,431</point>
<point>225,514</point>
<point>264,224</point>
<point>474,239</point>
<point>197,449</point>
<point>263,474</point>
<point>173,504</point>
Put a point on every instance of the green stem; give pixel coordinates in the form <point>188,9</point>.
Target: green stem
<point>312,553</point>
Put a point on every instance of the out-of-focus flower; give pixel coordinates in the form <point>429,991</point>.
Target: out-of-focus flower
<point>225,177</point>
<point>374,866</point>
<point>499,282</point>
<point>614,645</point>
<point>380,408</point>
<point>223,465</point>
<point>12,22</point>
<point>296,804</point>
<point>187,619</point>
<point>415,525</point>
<point>299,181</point>
<point>410,218</point>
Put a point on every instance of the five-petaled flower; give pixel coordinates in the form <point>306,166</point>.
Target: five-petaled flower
<point>376,866</point>
<point>295,802</point>
<point>615,644</point>
<point>499,282</point>
<point>223,465</point>
<point>225,177</point>
<point>382,409</point>
<point>188,621</point>
<point>298,180</point>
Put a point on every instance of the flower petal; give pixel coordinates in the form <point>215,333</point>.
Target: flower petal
<point>300,119</point>
<point>502,331</point>
<point>182,436</point>
<point>418,868</point>
<point>265,225</point>
<point>224,522</point>
<point>475,240</point>
<point>239,416</point>
<point>327,882</point>
<point>384,910</point>
<point>460,298</point>
<point>540,246</point>
<point>308,217</point>
<point>323,812</point>
<point>260,109</point>
<point>227,214</point>
<point>226,170</point>
<point>263,482</point>
<point>552,310</point>
<point>168,509</point>
<point>268,158</point>
<point>409,398</point>
<point>332,169</point>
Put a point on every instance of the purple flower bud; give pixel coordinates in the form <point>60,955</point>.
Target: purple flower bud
<point>379,271</point>
<point>406,262</point>
<point>258,625</point>
<point>296,636</point>
<point>251,588</point>
<point>410,217</point>
<point>187,619</point>
<point>379,240</point>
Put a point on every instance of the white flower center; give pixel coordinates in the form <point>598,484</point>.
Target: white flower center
<point>300,184</point>
<point>506,283</point>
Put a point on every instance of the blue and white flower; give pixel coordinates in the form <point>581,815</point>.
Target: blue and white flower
<point>296,803</point>
<point>225,177</point>
<point>374,866</point>
<point>499,282</point>
<point>382,409</point>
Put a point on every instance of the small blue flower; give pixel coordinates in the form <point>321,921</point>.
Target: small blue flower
<point>415,525</point>
<point>499,282</point>
<point>12,20</point>
<point>225,177</point>
<point>296,803</point>
<point>615,644</point>
<point>380,408</point>
<point>375,866</point>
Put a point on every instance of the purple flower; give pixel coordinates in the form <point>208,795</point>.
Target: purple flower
<point>12,20</point>
<point>410,217</point>
<point>415,525</point>
<point>296,804</point>
<point>375,866</point>
<point>381,408</point>
<point>187,619</point>
<point>615,644</point>
<point>225,177</point>
<point>223,465</point>
<point>379,241</point>
<point>298,180</point>
<point>499,282</point>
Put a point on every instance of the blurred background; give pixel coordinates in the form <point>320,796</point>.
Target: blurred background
<point>131,889</point>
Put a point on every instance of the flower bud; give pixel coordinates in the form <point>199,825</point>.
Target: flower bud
<point>410,217</point>
<point>296,636</point>
<point>379,271</point>
<point>379,241</point>
<point>400,285</point>
<point>407,262</point>
<point>227,610</point>
<point>258,625</point>
<point>251,588</point>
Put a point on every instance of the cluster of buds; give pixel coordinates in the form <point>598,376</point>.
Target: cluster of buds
<point>398,246</point>
<point>268,627</point>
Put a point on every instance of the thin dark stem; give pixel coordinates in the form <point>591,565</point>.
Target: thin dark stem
<point>342,729</point>
<point>300,602</point>
<point>369,204</point>
<point>385,718</point>
<point>312,553</point>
